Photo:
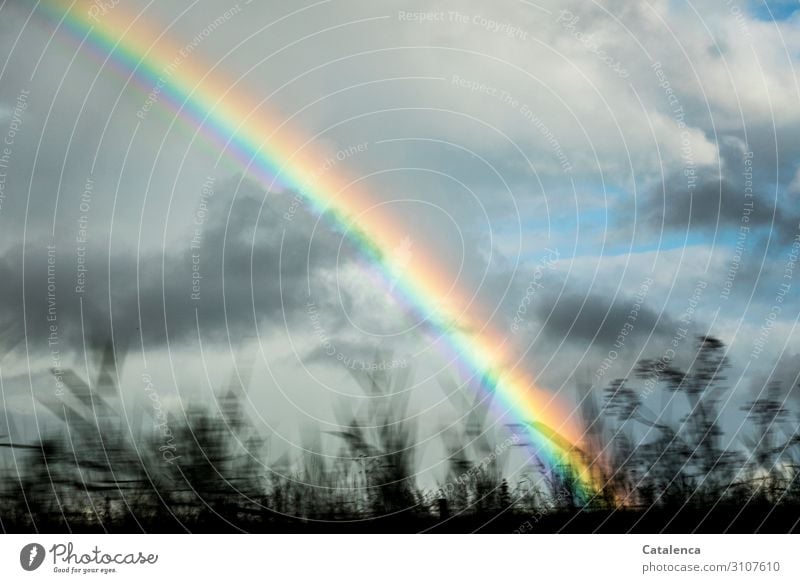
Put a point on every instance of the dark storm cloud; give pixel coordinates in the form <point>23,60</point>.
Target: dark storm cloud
<point>599,319</point>
<point>252,270</point>
<point>722,198</point>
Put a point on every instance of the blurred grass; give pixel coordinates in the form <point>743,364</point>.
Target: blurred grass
<point>206,470</point>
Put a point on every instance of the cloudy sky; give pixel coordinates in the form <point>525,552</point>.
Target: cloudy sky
<point>574,166</point>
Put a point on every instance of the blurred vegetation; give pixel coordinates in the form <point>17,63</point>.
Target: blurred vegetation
<point>659,468</point>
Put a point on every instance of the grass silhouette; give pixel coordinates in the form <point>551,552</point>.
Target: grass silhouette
<point>206,469</point>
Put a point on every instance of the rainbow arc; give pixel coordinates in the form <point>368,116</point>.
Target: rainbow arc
<point>267,149</point>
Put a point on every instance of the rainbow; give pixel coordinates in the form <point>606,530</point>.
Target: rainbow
<point>264,147</point>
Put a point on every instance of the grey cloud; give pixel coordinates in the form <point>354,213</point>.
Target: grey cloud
<point>597,319</point>
<point>719,199</point>
<point>252,269</point>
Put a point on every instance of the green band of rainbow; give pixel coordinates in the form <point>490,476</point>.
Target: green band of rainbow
<point>270,151</point>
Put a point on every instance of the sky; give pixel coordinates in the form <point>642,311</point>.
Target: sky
<point>572,166</point>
